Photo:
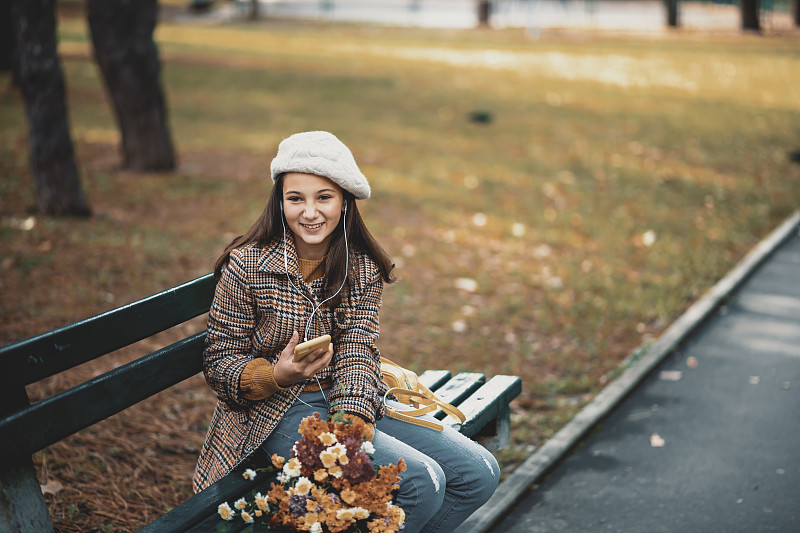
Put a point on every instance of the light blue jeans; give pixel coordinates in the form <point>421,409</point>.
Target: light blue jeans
<point>447,477</point>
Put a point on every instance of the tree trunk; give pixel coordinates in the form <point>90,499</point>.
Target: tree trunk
<point>6,37</point>
<point>672,13</point>
<point>796,12</point>
<point>750,15</point>
<point>484,12</point>
<point>56,181</point>
<point>252,11</point>
<point>122,35</point>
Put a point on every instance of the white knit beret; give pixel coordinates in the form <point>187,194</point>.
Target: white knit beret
<point>322,154</point>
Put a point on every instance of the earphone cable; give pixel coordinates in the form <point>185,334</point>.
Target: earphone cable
<point>315,309</point>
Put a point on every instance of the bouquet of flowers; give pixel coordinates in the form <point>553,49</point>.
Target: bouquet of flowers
<point>329,484</point>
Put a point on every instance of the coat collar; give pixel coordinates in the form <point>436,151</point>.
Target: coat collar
<point>272,257</point>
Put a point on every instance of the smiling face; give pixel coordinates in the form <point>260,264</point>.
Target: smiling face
<point>312,206</point>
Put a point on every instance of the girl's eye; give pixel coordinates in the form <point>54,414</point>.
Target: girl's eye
<point>325,197</point>
<point>294,198</point>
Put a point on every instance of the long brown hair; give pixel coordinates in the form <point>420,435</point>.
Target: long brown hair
<point>268,227</point>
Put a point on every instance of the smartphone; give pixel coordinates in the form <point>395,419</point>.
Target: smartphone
<point>305,348</point>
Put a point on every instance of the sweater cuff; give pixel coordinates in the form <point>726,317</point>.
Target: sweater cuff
<point>257,381</point>
<point>369,428</point>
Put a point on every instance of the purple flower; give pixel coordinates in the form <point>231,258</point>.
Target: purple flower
<point>297,505</point>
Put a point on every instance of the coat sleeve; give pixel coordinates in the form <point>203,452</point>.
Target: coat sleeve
<point>357,375</point>
<point>231,322</point>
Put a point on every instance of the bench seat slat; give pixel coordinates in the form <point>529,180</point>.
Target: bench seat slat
<point>458,389</point>
<point>433,379</point>
<point>52,419</point>
<point>36,358</point>
<point>487,403</point>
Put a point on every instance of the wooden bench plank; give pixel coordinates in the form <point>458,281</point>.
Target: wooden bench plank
<point>36,358</point>
<point>458,389</point>
<point>202,507</point>
<point>479,403</point>
<point>433,379</point>
<point>487,403</point>
<point>50,420</point>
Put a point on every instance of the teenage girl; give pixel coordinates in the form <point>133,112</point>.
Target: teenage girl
<point>309,267</point>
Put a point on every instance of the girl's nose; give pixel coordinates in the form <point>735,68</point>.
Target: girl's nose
<point>310,211</point>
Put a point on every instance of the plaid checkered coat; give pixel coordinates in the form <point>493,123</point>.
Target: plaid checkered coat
<point>254,312</point>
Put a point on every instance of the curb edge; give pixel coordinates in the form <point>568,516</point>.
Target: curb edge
<point>609,397</point>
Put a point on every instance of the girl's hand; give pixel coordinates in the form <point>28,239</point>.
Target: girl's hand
<point>286,372</point>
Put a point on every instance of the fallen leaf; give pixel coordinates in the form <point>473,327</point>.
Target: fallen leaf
<point>52,487</point>
<point>691,361</point>
<point>670,375</point>
<point>656,441</point>
<point>755,380</point>
<point>466,284</point>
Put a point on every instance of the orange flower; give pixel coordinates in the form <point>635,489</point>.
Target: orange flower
<point>278,461</point>
<point>348,496</point>
<point>277,494</point>
<point>313,425</point>
<point>354,490</point>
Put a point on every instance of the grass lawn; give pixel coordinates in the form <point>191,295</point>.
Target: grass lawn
<point>615,180</point>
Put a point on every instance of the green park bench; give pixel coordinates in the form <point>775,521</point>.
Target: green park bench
<point>27,428</point>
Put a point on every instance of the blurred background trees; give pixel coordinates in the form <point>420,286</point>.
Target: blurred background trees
<point>57,183</point>
<point>122,36</point>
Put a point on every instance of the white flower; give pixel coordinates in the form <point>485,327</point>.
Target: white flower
<point>225,511</point>
<point>327,457</point>
<point>340,452</point>
<point>249,474</point>
<point>328,439</point>
<point>292,467</point>
<point>261,502</point>
<point>240,504</point>
<point>345,515</point>
<point>283,478</point>
<point>303,485</point>
<point>246,517</point>
<point>367,447</point>
<point>316,527</point>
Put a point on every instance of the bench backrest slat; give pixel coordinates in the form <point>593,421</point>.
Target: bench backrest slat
<point>36,358</point>
<point>50,420</point>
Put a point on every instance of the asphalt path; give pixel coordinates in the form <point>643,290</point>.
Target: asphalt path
<point>708,442</point>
